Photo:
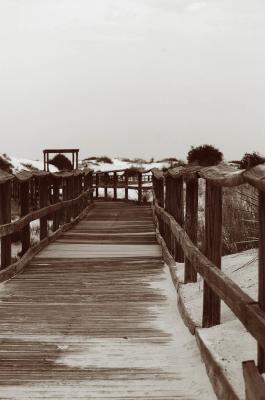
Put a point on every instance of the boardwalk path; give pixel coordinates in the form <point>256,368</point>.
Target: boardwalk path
<point>94,317</point>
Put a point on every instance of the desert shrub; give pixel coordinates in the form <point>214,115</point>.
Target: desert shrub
<point>61,162</point>
<point>5,164</point>
<point>204,155</point>
<point>251,160</point>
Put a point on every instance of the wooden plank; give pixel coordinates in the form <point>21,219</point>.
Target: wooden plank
<point>213,251</point>
<point>177,211</point>
<point>254,383</point>
<point>223,175</point>
<point>242,305</point>
<point>256,176</point>
<point>43,203</point>
<point>140,194</point>
<point>94,328</point>
<point>24,210</point>
<point>191,224</point>
<point>5,217</point>
<point>261,275</point>
<point>5,176</point>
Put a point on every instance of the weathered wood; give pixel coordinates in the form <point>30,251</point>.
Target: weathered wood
<point>177,211</point>
<point>5,176</point>
<point>157,173</point>
<point>223,175</point>
<point>17,225</point>
<point>56,198</point>
<point>168,208</point>
<point>254,383</point>
<point>17,267</point>
<point>261,275</point>
<point>140,194</point>
<point>126,184</point>
<point>24,210</point>
<point>191,224</point>
<point>5,217</point>
<point>44,185</point>
<point>97,184</point>
<point>115,182</point>
<point>213,251</point>
<point>242,305</point>
<point>256,176</point>
<point>106,180</point>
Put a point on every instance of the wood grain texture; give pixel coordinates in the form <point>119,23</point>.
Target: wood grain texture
<point>242,305</point>
<point>95,327</point>
<point>261,274</point>
<point>223,175</point>
<point>254,383</point>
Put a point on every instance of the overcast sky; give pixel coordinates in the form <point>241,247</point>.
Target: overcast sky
<point>140,78</point>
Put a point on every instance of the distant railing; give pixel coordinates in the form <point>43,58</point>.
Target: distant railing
<point>62,198</point>
<point>180,236</point>
<point>108,184</point>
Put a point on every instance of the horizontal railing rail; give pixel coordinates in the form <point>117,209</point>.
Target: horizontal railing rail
<point>62,198</point>
<point>179,232</point>
<point>107,184</point>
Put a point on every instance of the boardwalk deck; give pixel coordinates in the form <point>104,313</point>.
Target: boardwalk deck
<point>94,316</point>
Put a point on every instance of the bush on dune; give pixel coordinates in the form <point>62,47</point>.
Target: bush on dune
<point>205,155</point>
<point>61,162</point>
<point>250,160</point>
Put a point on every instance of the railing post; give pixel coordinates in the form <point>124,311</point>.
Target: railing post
<point>161,203</point>
<point>5,218</point>
<point>261,275</point>
<point>66,196</point>
<point>115,185</point>
<point>168,208</point>
<point>24,210</point>
<point>90,185</point>
<point>191,223</point>
<point>177,211</point>
<point>56,198</point>
<point>106,178</point>
<point>44,195</point>
<point>126,182</point>
<point>97,184</point>
<point>213,251</point>
<point>139,187</point>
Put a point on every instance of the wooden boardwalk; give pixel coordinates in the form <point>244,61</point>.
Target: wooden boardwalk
<point>94,316</point>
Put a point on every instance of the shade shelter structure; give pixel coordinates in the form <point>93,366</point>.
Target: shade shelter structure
<point>47,152</point>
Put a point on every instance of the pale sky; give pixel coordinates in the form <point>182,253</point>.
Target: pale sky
<point>137,78</point>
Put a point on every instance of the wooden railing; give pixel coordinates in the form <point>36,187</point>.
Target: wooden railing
<point>62,198</point>
<point>108,183</point>
<point>180,237</point>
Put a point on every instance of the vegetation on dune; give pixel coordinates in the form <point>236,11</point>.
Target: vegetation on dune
<point>250,160</point>
<point>102,159</point>
<point>205,155</point>
<point>61,162</point>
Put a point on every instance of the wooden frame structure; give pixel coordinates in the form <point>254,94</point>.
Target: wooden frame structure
<point>47,152</point>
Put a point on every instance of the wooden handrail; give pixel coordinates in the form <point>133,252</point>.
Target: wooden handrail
<point>12,227</point>
<point>217,285</point>
<point>254,383</point>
